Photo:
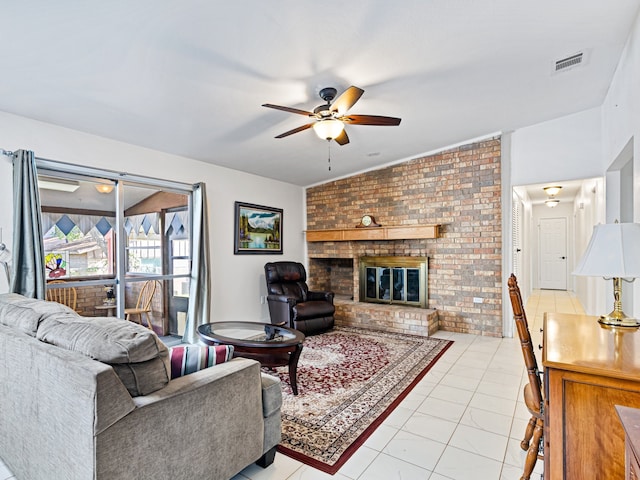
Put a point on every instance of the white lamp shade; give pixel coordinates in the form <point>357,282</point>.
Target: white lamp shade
<point>613,252</point>
<point>328,129</point>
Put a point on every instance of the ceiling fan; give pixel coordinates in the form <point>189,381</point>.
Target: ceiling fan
<point>329,119</point>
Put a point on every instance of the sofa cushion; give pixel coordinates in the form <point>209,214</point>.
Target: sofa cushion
<point>106,339</point>
<point>136,354</point>
<point>143,378</point>
<point>191,358</point>
<point>25,314</point>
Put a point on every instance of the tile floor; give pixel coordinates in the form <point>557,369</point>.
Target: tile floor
<point>464,420</point>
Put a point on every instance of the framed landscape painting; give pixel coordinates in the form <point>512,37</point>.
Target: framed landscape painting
<point>258,229</point>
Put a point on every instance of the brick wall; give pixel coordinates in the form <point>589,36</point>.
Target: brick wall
<point>459,189</point>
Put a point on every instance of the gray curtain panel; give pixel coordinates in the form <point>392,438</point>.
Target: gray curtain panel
<point>27,276</point>
<point>200,286</point>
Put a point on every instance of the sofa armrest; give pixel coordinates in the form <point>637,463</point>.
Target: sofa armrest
<point>271,395</point>
<point>326,296</point>
<point>213,416</point>
<point>202,379</point>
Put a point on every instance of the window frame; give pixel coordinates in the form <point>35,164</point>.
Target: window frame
<point>121,180</point>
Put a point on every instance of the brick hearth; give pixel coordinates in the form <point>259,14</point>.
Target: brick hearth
<point>390,318</point>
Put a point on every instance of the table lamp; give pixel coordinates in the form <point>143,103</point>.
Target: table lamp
<point>613,253</point>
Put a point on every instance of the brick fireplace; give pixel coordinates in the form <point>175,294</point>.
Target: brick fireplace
<point>458,189</point>
<point>342,276</point>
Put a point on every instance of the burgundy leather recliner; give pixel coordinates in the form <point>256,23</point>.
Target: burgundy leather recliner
<point>292,304</point>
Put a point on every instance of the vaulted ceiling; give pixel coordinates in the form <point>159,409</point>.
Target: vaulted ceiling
<point>190,77</point>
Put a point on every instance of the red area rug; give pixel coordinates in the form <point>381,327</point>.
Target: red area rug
<point>349,381</point>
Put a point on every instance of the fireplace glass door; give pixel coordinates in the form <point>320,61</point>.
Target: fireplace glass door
<point>394,284</point>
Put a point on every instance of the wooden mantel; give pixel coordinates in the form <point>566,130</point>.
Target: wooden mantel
<point>402,232</point>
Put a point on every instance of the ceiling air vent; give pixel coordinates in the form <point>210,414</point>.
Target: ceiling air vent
<point>568,62</point>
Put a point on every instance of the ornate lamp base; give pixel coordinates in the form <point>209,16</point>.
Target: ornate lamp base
<point>618,322</point>
<point>617,318</point>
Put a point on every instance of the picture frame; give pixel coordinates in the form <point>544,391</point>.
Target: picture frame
<point>257,229</point>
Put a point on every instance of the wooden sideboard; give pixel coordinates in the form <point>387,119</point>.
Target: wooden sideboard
<point>630,419</point>
<point>589,369</point>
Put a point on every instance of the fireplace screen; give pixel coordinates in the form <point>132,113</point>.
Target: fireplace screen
<point>398,280</point>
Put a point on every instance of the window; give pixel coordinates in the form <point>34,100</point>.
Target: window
<point>144,244</point>
<point>72,252</point>
<point>81,217</point>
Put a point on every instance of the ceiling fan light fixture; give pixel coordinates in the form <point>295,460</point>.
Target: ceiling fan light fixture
<point>328,129</point>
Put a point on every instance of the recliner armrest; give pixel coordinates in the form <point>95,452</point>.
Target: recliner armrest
<point>326,296</point>
<point>282,299</point>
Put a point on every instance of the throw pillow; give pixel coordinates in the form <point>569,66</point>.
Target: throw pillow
<point>189,359</point>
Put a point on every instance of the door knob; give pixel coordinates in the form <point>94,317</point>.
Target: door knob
<point>563,258</point>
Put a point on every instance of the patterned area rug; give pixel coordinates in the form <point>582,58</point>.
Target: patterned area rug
<point>349,381</point>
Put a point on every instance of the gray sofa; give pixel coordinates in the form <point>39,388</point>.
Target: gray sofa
<point>91,398</point>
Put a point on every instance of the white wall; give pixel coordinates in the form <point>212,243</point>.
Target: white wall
<point>237,280</point>
<point>589,211</point>
<point>621,141</point>
<point>567,148</point>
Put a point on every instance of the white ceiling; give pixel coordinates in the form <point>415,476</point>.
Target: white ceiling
<point>189,77</point>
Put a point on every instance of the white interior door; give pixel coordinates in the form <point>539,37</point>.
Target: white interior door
<point>553,253</point>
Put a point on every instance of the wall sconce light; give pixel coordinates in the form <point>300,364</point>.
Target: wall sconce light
<point>5,258</point>
<point>104,188</point>
<point>613,253</point>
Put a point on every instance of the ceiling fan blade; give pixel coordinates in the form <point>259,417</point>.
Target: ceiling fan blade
<point>343,138</point>
<point>370,120</point>
<point>290,110</point>
<point>346,100</point>
<point>296,130</point>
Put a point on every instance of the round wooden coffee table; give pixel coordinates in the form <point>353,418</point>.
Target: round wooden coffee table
<point>271,345</point>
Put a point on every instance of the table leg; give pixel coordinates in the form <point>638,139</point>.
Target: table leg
<point>293,368</point>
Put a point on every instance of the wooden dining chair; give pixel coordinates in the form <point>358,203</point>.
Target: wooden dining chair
<point>533,399</point>
<point>143,305</point>
<point>64,295</point>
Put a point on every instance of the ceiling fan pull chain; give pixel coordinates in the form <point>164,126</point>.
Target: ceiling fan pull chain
<point>329,148</point>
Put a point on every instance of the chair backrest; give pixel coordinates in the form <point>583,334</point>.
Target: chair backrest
<point>64,295</point>
<point>522,326</point>
<point>286,278</point>
<point>145,297</point>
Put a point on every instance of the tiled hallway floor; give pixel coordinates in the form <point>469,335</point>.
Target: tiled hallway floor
<point>464,420</point>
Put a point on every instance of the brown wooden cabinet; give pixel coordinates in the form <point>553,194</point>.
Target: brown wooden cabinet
<point>630,419</point>
<point>589,369</point>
